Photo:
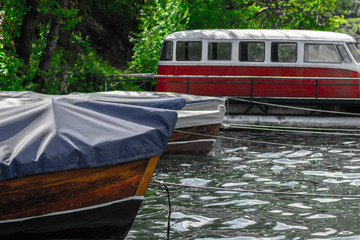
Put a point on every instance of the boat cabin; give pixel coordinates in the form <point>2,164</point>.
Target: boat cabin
<point>260,63</point>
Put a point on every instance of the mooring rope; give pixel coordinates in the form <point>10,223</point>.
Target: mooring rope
<point>169,212</point>
<point>302,129</point>
<point>169,206</point>
<point>290,130</point>
<point>162,183</point>
<point>325,131</point>
<point>238,139</point>
<point>259,142</point>
<point>294,107</point>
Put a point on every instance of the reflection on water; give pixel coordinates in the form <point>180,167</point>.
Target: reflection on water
<point>326,165</point>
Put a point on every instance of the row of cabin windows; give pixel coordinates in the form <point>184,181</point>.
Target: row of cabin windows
<point>255,52</point>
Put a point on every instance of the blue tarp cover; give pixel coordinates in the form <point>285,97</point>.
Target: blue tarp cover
<point>41,135</point>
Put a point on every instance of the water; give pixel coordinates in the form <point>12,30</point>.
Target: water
<point>326,165</point>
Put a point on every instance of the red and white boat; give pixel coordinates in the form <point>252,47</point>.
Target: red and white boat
<point>298,64</point>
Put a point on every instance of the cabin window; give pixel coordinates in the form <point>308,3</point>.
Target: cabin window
<point>188,51</point>
<point>167,51</point>
<point>219,51</point>
<point>252,51</point>
<point>354,51</point>
<point>343,53</point>
<point>321,53</point>
<point>283,52</point>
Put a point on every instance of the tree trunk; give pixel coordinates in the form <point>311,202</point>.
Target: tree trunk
<point>51,42</point>
<point>27,32</point>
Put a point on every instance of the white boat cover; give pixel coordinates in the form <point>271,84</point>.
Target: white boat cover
<point>166,102</point>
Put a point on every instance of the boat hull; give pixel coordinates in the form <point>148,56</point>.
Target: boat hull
<point>86,203</point>
<point>252,87</point>
<point>198,140</point>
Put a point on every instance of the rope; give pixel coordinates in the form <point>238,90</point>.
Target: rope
<point>257,191</point>
<point>229,125</point>
<point>260,142</point>
<point>302,128</point>
<point>297,108</point>
<point>239,139</point>
<point>285,129</point>
<point>161,184</point>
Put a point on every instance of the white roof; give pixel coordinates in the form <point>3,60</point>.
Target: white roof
<point>252,34</point>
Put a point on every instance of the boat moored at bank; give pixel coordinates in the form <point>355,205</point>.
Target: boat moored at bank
<point>72,168</point>
<point>260,63</point>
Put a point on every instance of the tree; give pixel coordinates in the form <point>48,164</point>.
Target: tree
<point>11,74</point>
<point>27,32</point>
<point>285,14</point>
<point>165,16</point>
<point>45,47</point>
<point>51,42</point>
<point>157,19</point>
<point>301,14</point>
<point>27,26</point>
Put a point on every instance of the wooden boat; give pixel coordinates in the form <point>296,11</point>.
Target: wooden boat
<point>199,117</point>
<point>198,124</point>
<point>76,203</point>
<point>76,169</point>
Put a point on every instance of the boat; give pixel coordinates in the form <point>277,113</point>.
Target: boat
<point>279,77</point>
<point>198,125</point>
<point>260,63</point>
<point>199,117</point>
<point>72,168</point>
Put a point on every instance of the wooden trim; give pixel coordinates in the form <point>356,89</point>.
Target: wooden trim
<point>190,133</point>
<point>61,191</point>
<point>147,176</point>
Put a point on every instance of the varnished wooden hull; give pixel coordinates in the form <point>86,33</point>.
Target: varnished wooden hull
<point>92,202</point>
<point>193,140</point>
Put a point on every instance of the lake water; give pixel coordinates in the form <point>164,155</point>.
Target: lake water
<point>327,164</point>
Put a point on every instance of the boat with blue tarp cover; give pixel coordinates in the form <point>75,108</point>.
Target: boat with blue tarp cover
<point>199,117</point>
<point>72,168</point>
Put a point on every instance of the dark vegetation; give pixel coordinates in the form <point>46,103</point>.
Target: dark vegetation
<point>62,46</point>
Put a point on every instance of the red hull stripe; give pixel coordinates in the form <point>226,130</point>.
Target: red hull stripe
<point>261,87</point>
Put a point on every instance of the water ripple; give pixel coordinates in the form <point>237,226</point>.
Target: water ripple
<point>239,223</point>
<point>321,216</point>
<point>243,202</point>
<point>282,226</point>
<point>325,165</point>
<point>195,181</point>
<point>301,153</point>
<point>194,221</point>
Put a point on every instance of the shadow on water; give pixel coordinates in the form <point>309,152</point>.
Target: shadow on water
<point>327,164</point>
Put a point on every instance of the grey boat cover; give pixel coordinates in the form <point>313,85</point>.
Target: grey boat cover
<point>42,135</point>
<point>193,110</point>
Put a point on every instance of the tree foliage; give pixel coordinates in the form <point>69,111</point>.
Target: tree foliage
<point>92,35</point>
<point>352,23</point>
<point>256,14</point>
<point>30,55</point>
<point>27,27</point>
<point>166,16</point>
<point>157,19</point>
